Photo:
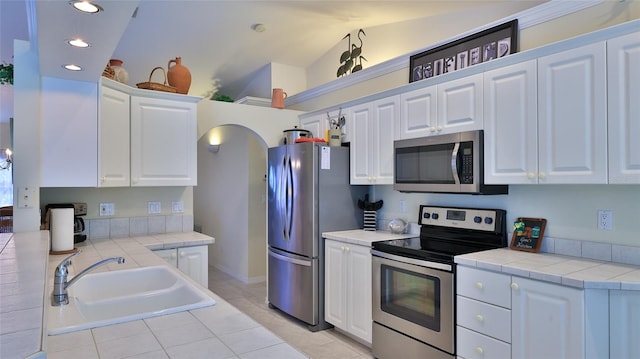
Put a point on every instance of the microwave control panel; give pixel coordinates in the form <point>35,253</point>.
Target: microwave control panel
<point>466,154</point>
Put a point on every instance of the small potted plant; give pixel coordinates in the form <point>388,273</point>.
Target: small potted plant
<point>6,74</point>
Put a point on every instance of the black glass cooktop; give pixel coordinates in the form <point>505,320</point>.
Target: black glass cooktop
<point>437,250</point>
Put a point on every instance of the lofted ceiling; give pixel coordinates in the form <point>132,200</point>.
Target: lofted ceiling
<point>214,38</point>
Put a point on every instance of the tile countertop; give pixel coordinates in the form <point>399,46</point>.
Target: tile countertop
<point>566,270</point>
<point>25,276</point>
<point>365,238</point>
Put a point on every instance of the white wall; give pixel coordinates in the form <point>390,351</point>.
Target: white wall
<point>385,42</point>
<point>570,210</point>
<point>229,201</point>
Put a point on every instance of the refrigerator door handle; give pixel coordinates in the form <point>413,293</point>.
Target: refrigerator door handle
<point>289,259</point>
<point>282,196</point>
<point>290,197</point>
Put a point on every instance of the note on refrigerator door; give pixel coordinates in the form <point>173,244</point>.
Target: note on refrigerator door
<point>325,158</point>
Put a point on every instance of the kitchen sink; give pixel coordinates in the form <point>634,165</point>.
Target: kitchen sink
<point>107,298</point>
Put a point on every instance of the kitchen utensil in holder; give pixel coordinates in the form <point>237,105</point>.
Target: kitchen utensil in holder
<point>370,220</point>
<point>157,86</point>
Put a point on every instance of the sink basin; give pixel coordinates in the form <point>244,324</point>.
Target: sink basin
<point>107,298</point>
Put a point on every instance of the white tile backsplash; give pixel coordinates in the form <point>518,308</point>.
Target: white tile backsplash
<point>173,224</point>
<point>119,227</point>
<point>157,225</point>
<point>99,228</point>
<point>104,228</point>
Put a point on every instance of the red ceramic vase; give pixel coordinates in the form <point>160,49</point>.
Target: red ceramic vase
<point>178,76</point>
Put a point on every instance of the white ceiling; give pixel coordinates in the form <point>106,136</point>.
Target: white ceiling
<point>214,38</point>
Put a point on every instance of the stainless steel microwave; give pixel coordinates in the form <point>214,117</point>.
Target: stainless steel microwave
<point>452,163</point>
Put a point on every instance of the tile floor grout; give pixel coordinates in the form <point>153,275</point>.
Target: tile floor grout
<point>251,300</point>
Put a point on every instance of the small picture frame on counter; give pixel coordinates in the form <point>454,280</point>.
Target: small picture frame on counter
<point>528,234</point>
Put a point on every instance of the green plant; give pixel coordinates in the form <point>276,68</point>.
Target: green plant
<point>6,74</point>
<point>225,98</point>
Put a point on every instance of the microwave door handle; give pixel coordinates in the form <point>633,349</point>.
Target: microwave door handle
<point>454,163</point>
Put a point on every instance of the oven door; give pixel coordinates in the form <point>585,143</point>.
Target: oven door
<point>414,299</point>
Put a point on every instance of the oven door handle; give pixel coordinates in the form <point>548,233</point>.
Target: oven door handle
<point>413,261</point>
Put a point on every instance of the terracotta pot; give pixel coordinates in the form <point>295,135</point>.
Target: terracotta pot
<point>120,74</point>
<point>178,76</point>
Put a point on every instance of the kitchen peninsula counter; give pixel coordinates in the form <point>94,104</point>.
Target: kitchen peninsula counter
<point>365,238</point>
<point>570,271</point>
<point>26,274</point>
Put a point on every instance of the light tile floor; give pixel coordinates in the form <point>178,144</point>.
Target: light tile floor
<point>250,299</point>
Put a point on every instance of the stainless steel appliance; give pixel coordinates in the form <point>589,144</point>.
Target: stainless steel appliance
<point>308,193</point>
<point>413,280</point>
<point>452,163</point>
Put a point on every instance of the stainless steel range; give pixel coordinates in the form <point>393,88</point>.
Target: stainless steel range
<point>414,280</point>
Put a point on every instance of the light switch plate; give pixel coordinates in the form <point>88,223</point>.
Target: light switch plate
<point>27,197</point>
<point>154,207</point>
<point>107,209</point>
<point>177,207</point>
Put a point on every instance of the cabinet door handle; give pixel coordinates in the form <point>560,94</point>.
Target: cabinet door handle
<point>182,254</point>
<point>479,350</point>
<point>541,175</point>
<point>174,255</point>
<point>531,175</point>
<point>479,318</point>
<point>346,249</point>
<point>479,285</point>
<point>515,286</point>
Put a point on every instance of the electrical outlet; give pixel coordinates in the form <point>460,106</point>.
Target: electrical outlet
<point>154,207</point>
<point>605,220</point>
<point>106,209</point>
<point>177,207</point>
<point>403,206</point>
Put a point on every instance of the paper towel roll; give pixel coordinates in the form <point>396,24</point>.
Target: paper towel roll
<point>61,229</point>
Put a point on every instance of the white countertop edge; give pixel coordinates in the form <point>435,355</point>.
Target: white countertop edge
<point>364,238</point>
<point>519,264</point>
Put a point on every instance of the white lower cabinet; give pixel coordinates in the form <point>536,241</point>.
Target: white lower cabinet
<point>504,316</point>
<point>624,311</point>
<point>192,261</point>
<point>348,288</point>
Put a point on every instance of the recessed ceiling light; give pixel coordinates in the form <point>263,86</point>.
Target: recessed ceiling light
<point>72,67</point>
<point>86,6</point>
<point>78,43</point>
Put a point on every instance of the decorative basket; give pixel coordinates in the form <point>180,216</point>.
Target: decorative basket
<point>157,86</point>
<point>108,72</point>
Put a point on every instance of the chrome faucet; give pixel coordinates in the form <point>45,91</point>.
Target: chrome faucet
<point>59,296</point>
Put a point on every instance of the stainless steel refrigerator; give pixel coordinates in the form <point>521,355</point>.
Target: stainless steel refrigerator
<point>308,193</point>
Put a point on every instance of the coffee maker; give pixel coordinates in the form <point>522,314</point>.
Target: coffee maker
<point>79,211</point>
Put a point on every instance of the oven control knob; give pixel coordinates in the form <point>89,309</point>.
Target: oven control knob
<point>479,350</point>
<point>426,215</point>
<point>488,220</point>
<point>434,216</point>
<point>477,219</point>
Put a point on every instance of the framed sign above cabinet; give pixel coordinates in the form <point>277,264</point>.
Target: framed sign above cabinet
<point>486,45</point>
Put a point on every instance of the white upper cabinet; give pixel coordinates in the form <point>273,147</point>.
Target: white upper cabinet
<point>317,124</point>
<point>623,71</point>
<point>163,142</point>
<point>511,124</point>
<point>371,127</point>
<point>572,116</point>
<point>113,139</point>
<point>449,107</point>
<point>460,105</point>
<point>68,150</point>
<point>418,113</point>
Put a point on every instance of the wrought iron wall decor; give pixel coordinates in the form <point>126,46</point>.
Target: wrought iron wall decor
<point>486,45</point>
<point>351,59</point>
